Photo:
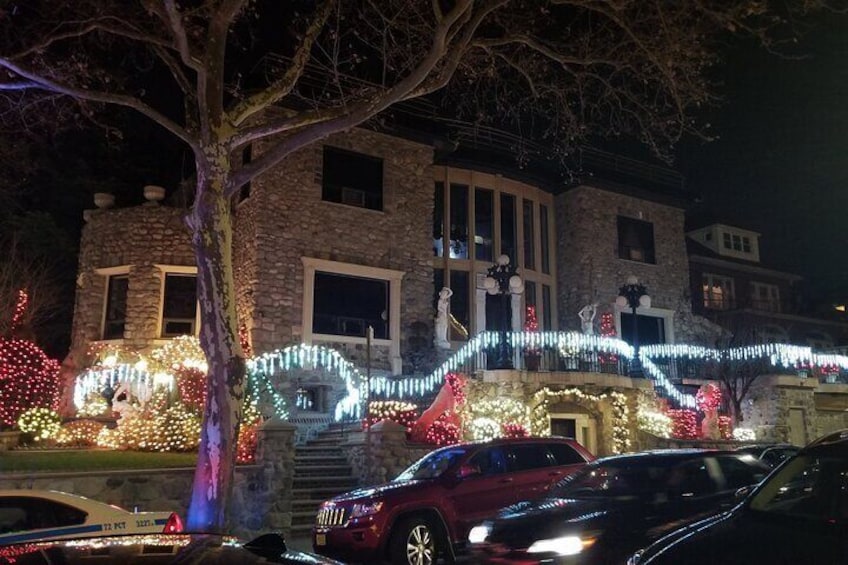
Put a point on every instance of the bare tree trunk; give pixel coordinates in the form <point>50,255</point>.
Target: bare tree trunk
<point>211,222</point>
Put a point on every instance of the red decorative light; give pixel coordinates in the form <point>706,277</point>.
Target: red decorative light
<point>28,379</point>
<point>246,444</point>
<point>708,397</point>
<point>684,424</point>
<point>457,385</point>
<point>725,427</point>
<point>442,432</point>
<point>512,429</point>
<point>191,384</point>
<point>607,329</point>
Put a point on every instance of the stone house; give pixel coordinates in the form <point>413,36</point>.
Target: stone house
<point>363,230</point>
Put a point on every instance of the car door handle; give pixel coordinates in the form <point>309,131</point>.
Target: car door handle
<point>554,473</point>
<point>506,480</point>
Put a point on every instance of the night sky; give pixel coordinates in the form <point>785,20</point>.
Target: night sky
<point>779,166</point>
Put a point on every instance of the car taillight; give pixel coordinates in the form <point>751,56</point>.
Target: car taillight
<point>173,525</point>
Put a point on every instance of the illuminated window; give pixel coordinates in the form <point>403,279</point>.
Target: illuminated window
<point>718,292</point>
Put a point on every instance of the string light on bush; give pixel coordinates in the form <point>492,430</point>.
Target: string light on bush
<point>744,434</point>
<point>41,423</point>
<point>403,413</point>
<point>655,423</point>
<point>28,379</point>
<point>79,433</point>
<point>513,430</point>
<point>442,432</point>
<point>684,424</point>
<point>541,420</point>
<point>484,429</point>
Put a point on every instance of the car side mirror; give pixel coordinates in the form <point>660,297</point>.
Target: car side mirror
<point>467,470</point>
<point>270,546</point>
<point>742,492</point>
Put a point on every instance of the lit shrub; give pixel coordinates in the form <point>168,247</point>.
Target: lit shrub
<point>79,433</point>
<point>41,423</point>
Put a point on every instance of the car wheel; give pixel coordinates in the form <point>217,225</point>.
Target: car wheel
<point>415,541</point>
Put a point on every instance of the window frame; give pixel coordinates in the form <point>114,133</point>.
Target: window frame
<point>312,265</point>
<point>108,273</point>
<point>332,149</point>
<point>165,270</point>
<point>649,256</point>
<point>727,303</point>
<point>772,301</point>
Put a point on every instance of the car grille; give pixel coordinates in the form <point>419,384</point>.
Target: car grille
<point>330,516</point>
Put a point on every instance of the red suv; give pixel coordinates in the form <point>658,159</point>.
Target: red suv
<point>427,510</point>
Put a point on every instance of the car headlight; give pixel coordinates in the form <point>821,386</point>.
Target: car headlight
<point>565,545</point>
<point>478,534</point>
<point>360,510</point>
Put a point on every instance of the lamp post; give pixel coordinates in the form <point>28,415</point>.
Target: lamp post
<point>632,295</point>
<point>503,280</point>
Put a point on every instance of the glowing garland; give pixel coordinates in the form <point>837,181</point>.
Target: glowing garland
<point>485,418</point>
<point>263,368</point>
<point>541,419</point>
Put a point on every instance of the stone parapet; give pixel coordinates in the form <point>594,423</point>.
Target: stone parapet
<point>381,454</point>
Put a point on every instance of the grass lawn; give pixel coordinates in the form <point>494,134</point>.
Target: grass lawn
<point>90,460</point>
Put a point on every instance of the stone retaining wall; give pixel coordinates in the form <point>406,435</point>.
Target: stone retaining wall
<point>383,453</point>
<point>261,493</point>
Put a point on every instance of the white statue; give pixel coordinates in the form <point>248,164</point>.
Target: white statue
<point>441,337</point>
<point>587,318</point>
<point>121,403</point>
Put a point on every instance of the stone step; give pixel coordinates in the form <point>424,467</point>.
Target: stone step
<point>330,482</point>
<point>320,459</point>
<point>300,530</point>
<point>317,452</point>
<point>303,517</point>
<point>306,469</point>
<point>322,441</point>
<point>318,492</point>
<point>307,505</point>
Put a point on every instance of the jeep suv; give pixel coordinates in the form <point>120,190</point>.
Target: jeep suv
<point>427,511</point>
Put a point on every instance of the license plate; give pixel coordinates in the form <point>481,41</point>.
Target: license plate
<point>320,539</point>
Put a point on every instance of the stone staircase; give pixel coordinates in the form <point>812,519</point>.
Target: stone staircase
<point>321,471</point>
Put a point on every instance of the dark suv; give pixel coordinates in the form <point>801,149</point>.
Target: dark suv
<point>429,508</point>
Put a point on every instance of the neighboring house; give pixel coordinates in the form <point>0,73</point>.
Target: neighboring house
<point>754,303</point>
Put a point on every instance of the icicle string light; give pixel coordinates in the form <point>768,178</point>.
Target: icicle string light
<point>263,369</point>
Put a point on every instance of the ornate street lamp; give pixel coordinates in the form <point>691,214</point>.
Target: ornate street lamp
<point>503,280</point>
<point>632,295</point>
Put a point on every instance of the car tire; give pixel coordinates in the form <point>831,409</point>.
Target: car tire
<point>416,541</point>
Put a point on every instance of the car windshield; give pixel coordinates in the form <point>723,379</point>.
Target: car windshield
<point>433,465</point>
<point>810,487</point>
<point>621,479</point>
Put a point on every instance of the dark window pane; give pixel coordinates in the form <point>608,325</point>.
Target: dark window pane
<point>508,227</point>
<point>530,293</point>
<point>179,309</point>
<point>484,218</point>
<point>348,305</point>
<point>527,457</point>
<point>490,461</point>
<point>438,219</point>
<point>116,307</point>
<point>543,231</point>
<point>565,454</point>
<point>352,178</point>
<point>460,311</point>
<point>651,329</point>
<point>529,235</point>
<point>547,314</point>
<point>458,221</point>
<point>635,240</point>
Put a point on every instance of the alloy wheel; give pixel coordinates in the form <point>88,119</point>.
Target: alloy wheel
<point>420,549</point>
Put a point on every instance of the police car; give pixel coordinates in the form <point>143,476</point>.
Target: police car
<point>30,515</point>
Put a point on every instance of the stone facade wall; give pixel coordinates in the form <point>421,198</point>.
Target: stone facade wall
<point>767,406</point>
<point>245,264</point>
<point>261,493</point>
<point>139,237</point>
<point>588,267</point>
<point>382,454</point>
<point>296,222</point>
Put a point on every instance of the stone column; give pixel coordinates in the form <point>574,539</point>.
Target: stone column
<point>263,502</point>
